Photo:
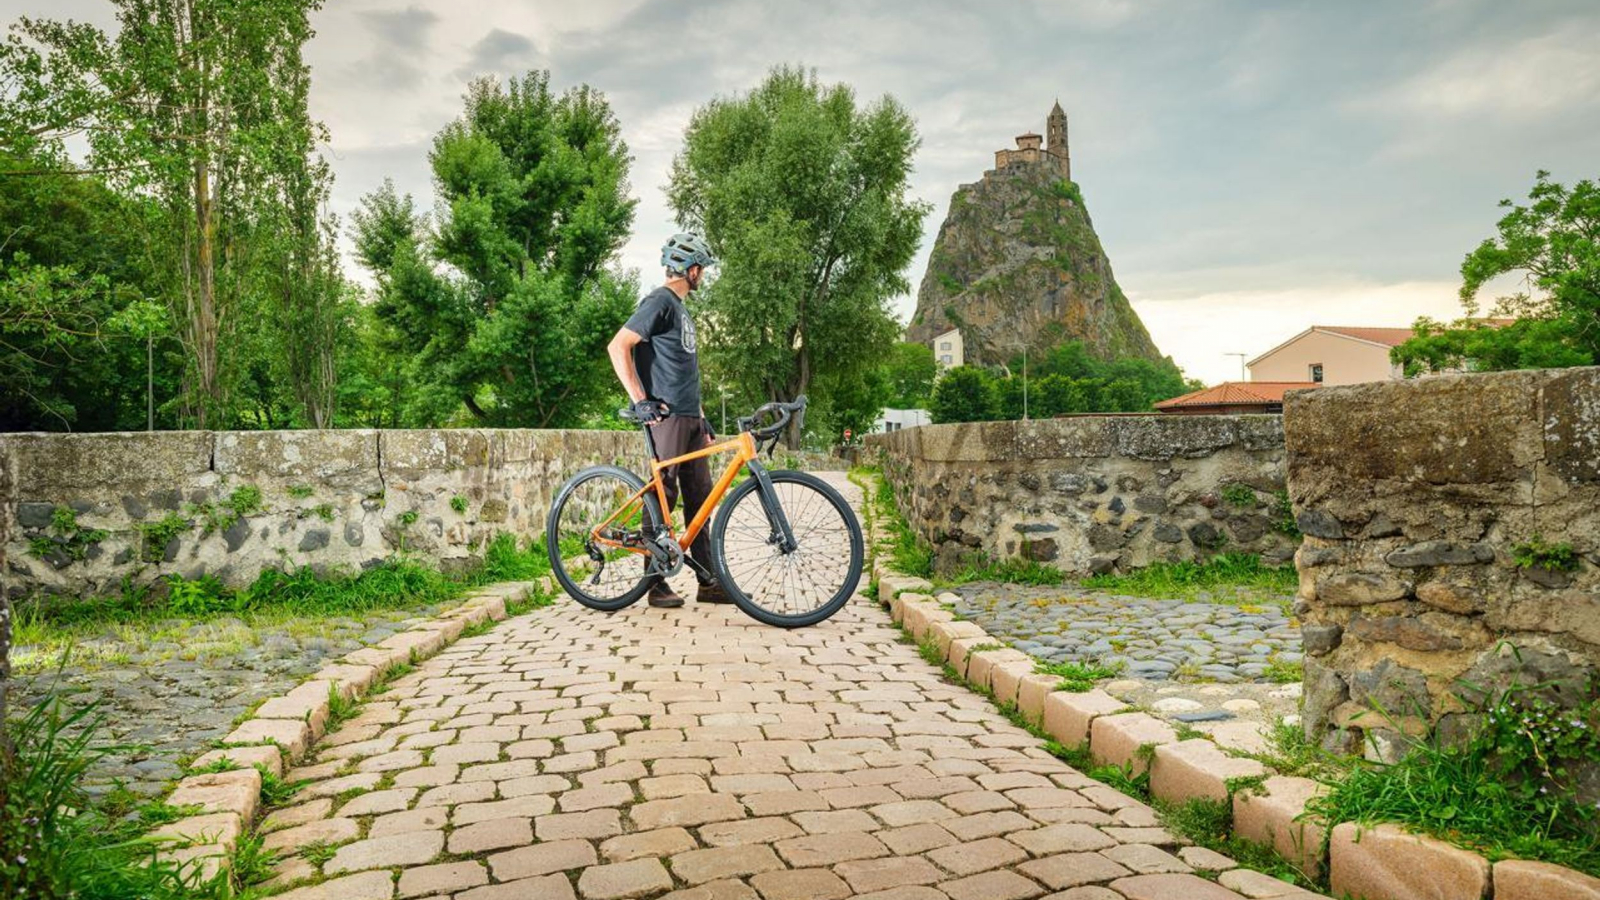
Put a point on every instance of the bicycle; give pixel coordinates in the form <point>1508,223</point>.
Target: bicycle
<point>785,545</point>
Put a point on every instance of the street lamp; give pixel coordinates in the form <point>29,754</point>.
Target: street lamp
<point>1241,364</point>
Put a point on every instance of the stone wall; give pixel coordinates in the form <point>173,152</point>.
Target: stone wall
<point>1093,493</point>
<point>150,504</point>
<point>1417,498</point>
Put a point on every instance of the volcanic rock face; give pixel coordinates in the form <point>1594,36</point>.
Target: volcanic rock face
<point>1017,263</point>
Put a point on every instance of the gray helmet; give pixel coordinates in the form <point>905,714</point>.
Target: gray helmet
<point>684,250</point>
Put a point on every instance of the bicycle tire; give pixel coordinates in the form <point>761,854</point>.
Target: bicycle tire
<point>553,537</point>
<point>748,605</point>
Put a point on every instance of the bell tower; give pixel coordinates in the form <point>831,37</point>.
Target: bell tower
<point>1056,139</point>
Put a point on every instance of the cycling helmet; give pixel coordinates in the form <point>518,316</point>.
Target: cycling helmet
<point>684,250</point>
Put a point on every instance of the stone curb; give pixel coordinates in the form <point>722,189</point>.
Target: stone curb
<point>1381,862</point>
<point>284,728</point>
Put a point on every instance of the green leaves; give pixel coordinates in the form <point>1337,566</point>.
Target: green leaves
<point>533,207</point>
<point>803,196</point>
<point>1554,244</point>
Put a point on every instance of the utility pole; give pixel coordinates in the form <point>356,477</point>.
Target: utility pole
<point>150,382</point>
<point>1241,364</point>
<point>1024,382</point>
<point>723,390</point>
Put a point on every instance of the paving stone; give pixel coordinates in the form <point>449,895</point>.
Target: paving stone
<point>548,887</point>
<point>867,875</point>
<point>1386,861</point>
<point>1519,879</point>
<point>377,802</point>
<point>366,886</point>
<point>1115,740</point>
<point>661,843</point>
<point>600,796</point>
<point>977,856</point>
<point>326,831</point>
<point>800,884</point>
<point>685,811</point>
<point>1068,715</point>
<point>1272,815</point>
<point>430,819</point>
<point>517,807</point>
<point>542,859</point>
<point>1067,870</point>
<point>998,885</point>
<point>635,878</point>
<point>766,830</point>
<point>1067,837</point>
<point>298,815</point>
<point>1171,887</point>
<point>493,834</point>
<point>1197,769</point>
<point>408,849</point>
<point>912,839</point>
<point>1146,859</point>
<point>442,878</point>
<point>1263,887</point>
<point>829,849</point>
<point>697,866</point>
<point>715,890</point>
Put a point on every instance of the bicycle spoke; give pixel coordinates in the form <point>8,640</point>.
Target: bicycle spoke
<point>800,582</point>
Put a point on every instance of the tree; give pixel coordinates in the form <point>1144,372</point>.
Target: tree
<point>195,106</point>
<point>965,394</point>
<point>911,371</point>
<point>804,197</point>
<point>533,207</point>
<point>1554,244</point>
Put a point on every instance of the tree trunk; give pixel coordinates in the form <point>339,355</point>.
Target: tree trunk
<point>203,318</point>
<point>7,504</point>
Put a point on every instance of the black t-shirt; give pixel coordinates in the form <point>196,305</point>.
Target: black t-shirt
<point>668,365</point>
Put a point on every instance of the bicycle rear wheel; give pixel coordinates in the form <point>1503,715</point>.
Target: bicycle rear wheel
<point>599,575</point>
<point>796,589</point>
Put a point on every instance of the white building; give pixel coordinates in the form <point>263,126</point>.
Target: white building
<point>896,419</point>
<point>947,349</point>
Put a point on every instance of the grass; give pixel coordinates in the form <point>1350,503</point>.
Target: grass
<point>1209,824</point>
<point>1235,574</point>
<point>1015,570</point>
<point>102,630</point>
<point>1280,671</point>
<point>59,842</point>
<point>1077,677</point>
<point>1506,792</point>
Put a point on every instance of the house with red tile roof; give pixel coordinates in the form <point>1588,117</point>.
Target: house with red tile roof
<point>1233,397</point>
<point>1330,354</point>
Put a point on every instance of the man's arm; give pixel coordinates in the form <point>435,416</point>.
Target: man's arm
<point>621,351</point>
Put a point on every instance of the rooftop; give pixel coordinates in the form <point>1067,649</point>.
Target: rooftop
<point>1237,393</point>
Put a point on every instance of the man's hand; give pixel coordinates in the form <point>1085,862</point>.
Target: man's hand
<point>649,411</point>
<point>705,426</point>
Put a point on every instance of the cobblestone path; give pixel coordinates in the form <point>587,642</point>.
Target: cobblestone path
<point>697,754</point>
<point>160,701</point>
<point>1150,639</point>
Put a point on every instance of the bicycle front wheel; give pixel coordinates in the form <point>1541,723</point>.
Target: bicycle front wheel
<point>597,573</point>
<point>799,588</point>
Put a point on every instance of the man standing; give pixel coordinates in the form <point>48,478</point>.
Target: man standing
<point>654,355</point>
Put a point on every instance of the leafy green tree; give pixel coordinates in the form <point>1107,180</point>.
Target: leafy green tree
<point>965,394</point>
<point>194,106</point>
<point>911,371</point>
<point>533,207</point>
<point>803,194</point>
<point>71,260</point>
<point>1553,243</point>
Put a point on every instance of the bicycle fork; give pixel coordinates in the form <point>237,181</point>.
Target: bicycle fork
<point>782,534</point>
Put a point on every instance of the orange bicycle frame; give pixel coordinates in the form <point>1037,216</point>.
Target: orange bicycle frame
<point>743,449</point>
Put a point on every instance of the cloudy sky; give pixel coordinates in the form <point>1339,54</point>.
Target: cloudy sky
<point>1252,168</point>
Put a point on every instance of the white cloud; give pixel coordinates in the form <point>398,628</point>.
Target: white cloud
<point>1555,72</point>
